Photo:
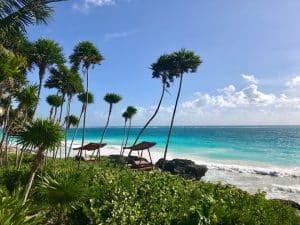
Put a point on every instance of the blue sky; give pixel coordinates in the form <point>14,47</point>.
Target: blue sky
<point>250,51</point>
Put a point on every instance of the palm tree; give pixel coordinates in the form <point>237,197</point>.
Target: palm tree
<point>131,112</point>
<point>18,14</point>
<point>27,99</point>
<point>125,115</point>
<point>54,101</point>
<point>182,61</point>
<point>82,99</point>
<point>87,55</point>
<point>111,99</point>
<point>43,135</point>
<point>46,53</point>
<point>62,191</point>
<point>70,120</point>
<point>160,69</point>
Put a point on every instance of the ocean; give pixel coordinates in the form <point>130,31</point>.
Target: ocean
<point>253,158</point>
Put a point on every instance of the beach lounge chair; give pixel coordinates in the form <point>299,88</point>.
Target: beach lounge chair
<point>140,163</point>
<point>89,147</point>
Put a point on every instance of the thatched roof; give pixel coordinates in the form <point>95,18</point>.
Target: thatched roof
<point>90,146</point>
<point>141,146</point>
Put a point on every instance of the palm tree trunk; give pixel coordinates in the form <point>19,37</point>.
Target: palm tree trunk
<point>35,166</point>
<point>76,130</point>
<point>55,112</point>
<point>84,116</point>
<point>67,124</point>
<point>127,136</point>
<point>104,130</point>
<point>4,133</point>
<point>153,116</point>
<point>124,135</point>
<point>61,108</point>
<point>41,78</point>
<point>51,113</point>
<point>172,121</point>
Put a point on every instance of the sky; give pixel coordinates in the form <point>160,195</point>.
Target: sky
<point>250,50</point>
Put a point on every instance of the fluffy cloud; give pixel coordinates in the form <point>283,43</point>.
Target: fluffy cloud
<point>295,82</point>
<point>247,97</point>
<point>250,78</point>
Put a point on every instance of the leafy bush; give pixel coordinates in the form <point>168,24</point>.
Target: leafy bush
<point>108,193</point>
<point>13,212</point>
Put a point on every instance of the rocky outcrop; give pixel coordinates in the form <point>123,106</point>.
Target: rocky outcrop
<point>290,203</point>
<point>183,167</point>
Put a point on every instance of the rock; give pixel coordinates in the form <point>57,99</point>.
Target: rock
<point>183,167</point>
<point>290,203</point>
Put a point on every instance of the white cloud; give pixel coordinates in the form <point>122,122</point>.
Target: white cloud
<point>294,82</point>
<point>250,78</point>
<point>109,36</point>
<point>85,5</point>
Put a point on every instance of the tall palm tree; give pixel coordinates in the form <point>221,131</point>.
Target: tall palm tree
<point>43,135</point>
<point>70,120</point>
<point>182,61</point>
<point>46,53</point>
<point>85,54</point>
<point>82,99</point>
<point>160,70</point>
<point>111,99</point>
<point>125,115</point>
<point>54,101</point>
<point>131,112</point>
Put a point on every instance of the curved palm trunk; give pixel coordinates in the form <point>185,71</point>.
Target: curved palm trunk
<point>127,136</point>
<point>59,121</point>
<point>51,113</point>
<point>84,117</point>
<point>55,112</point>
<point>76,130</point>
<point>152,117</point>
<point>124,135</point>
<point>61,108</point>
<point>172,121</point>
<point>35,167</point>
<point>67,124</point>
<point>104,130</point>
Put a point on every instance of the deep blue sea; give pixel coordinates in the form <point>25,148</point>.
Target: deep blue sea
<point>274,145</point>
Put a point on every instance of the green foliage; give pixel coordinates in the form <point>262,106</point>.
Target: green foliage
<point>71,120</point>
<point>112,194</point>
<point>131,111</point>
<point>42,134</point>
<point>184,61</point>
<point>12,178</point>
<point>27,97</point>
<point>112,98</point>
<point>85,53</point>
<point>13,212</point>
<point>16,15</point>
<point>11,65</point>
<point>64,80</point>
<point>86,99</point>
<point>54,100</point>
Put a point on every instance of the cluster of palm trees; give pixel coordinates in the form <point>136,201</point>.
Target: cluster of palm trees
<point>19,99</point>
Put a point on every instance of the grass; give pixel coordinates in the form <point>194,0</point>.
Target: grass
<point>109,193</point>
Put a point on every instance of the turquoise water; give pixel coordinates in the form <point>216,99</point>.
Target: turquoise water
<point>275,145</point>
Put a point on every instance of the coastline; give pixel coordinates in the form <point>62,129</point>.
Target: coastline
<point>277,182</point>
